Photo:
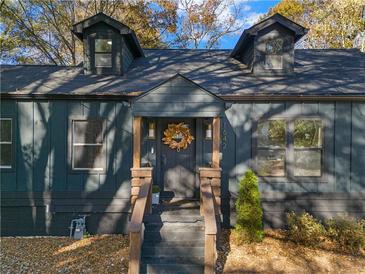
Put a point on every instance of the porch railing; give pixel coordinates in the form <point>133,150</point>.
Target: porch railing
<point>141,204</point>
<point>209,208</point>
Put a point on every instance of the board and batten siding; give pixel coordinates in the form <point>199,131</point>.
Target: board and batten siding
<point>127,55</point>
<point>178,97</point>
<point>41,194</point>
<point>344,189</point>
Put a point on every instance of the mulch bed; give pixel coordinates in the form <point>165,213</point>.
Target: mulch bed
<point>277,255</point>
<point>96,254</point>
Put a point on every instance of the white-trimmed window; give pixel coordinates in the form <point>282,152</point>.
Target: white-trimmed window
<point>308,147</point>
<point>290,147</point>
<point>88,151</point>
<point>271,148</point>
<point>274,54</point>
<point>6,143</point>
<point>103,53</point>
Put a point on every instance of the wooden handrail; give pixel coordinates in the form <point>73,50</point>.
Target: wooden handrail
<point>142,205</point>
<point>209,210</point>
<point>208,207</point>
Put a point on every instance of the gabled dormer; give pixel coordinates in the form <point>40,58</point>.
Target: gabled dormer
<point>267,48</point>
<point>109,46</point>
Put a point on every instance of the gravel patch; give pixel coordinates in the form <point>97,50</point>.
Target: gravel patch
<point>95,254</point>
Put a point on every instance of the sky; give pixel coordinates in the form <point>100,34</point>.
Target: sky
<point>251,11</point>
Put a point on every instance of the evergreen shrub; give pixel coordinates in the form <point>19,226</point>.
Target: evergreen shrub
<point>305,229</point>
<point>249,227</point>
<point>347,232</point>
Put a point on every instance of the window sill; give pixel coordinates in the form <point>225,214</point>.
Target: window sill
<point>7,169</point>
<point>87,171</point>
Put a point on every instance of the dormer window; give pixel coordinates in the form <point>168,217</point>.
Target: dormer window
<point>274,46</point>
<point>267,48</point>
<point>274,54</point>
<point>103,53</point>
<point>109,46</point>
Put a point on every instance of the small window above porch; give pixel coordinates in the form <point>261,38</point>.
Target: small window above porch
<point>178,96</point>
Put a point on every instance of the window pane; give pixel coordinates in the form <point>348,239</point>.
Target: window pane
<point>5,155</point>
<point>274,46</point>
<point>307,133</point>
<point>103,60</point>
<point>88,156</point>
<point>271,133</point>
<point>5,130</point>
<point>274,61</point>
<point>88,132</point>
<point>307,163</point>
<point>271,162</point>
<point>103,45</point>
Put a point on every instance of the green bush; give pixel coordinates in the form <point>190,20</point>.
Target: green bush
<point>347,232</point>
<point>305,229</point>
<point>155,189</point>
<point>249,212</point>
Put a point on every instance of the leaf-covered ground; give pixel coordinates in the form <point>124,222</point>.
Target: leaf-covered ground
<point>96,254</point>
<point>276,255</point>
<point>109,254</point>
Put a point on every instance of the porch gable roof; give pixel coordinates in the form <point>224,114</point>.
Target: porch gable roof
<point>178,96</point>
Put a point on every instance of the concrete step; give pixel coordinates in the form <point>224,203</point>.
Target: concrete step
<point>149,251</point>
<point>171,269</point>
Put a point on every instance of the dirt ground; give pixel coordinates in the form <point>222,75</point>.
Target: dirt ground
<point>276,255</point>
<point>96,254</point>
<point>109,254</point>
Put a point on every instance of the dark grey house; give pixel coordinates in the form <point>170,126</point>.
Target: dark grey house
<point>70,135</point>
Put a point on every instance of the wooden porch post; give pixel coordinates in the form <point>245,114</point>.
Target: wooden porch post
<point>216,158</point>
<point>137,128</point>
<point>137,124</point>
<point>216,142</point>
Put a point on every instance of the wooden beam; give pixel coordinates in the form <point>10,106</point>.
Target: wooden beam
<point>137,133</point>
<point>216,142</point>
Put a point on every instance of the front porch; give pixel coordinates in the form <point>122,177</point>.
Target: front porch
<point>181,233</point>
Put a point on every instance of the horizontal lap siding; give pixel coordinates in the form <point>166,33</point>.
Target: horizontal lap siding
<point>344,156</point>
<point>33,195</point>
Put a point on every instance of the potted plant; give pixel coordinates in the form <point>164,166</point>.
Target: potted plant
<point>155,195</point>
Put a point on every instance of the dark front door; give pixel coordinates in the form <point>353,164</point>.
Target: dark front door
<point>177,172</point>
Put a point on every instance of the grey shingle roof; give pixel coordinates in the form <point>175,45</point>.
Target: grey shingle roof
<point>317,73</point>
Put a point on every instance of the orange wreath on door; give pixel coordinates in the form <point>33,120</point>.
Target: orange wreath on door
<point>177,136</point>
